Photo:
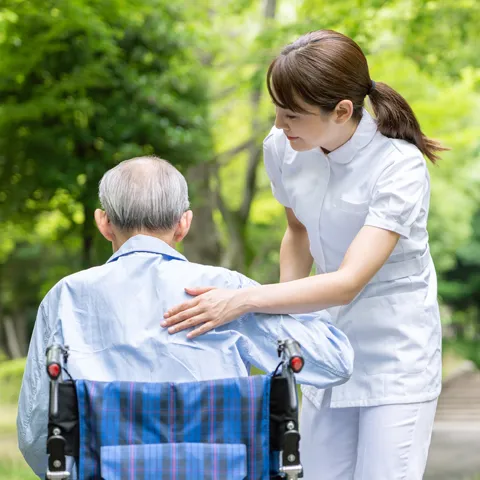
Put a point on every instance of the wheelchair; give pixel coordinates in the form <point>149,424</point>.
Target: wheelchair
<point>71,428</point>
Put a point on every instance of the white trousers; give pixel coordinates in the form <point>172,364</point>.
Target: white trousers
<point>388,442</point>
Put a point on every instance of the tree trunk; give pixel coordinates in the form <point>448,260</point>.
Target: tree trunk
<point>13,344</point>
<point>21,331</point>
<point>89,199</point>
<point>87,236</point>
<point>233,256</point>
<point>3,339</point>
<point>202,244</point>
<point>237,255</point>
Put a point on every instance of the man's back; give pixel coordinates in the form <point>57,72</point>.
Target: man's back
<point>110,317</point>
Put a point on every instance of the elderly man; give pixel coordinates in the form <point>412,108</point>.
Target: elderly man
<point>110,315</point>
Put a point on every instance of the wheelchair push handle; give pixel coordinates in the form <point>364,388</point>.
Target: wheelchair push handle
<point>292,362</point>
<point>54,361</point>
<point>290,352</point>
<point>56,356</point>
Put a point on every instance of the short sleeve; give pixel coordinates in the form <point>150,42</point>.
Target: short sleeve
<point>398,195</point>
<point>272,159</point>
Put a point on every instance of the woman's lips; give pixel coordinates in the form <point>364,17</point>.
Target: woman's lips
<point>292,138</point>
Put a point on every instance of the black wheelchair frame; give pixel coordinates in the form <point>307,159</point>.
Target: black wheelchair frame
<point>63,430</point>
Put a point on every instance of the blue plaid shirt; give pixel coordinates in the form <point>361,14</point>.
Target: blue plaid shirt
<point>110,318</point>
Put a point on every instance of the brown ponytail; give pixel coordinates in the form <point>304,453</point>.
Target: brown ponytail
<point>395,119</point>
<point>324,67</point>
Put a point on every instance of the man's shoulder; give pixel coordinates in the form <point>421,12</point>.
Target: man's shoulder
<point>193,274</point>
<point>88,275</point>
<point>75,279</point>
<point>218,276</point>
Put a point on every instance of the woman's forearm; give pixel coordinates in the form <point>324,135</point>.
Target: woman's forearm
<point>299,296</point>
<point>295,258</point>
<point>370,249</point>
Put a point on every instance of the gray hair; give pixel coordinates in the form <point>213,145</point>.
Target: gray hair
<point>144,193</point>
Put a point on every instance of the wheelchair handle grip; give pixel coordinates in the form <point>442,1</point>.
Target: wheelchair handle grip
<point>56,355</point>
<point>292,354</point>
<point>54,361</point>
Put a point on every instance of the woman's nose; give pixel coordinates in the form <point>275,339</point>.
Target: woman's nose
<point>280,122</point>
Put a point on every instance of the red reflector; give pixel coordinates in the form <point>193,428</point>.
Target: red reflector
<point>54,370</point>
<point>297,364</point>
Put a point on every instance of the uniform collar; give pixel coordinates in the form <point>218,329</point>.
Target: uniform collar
<point>361,138</point>
<point>145,243</point>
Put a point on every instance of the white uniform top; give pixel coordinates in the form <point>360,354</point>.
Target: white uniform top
<point>394,323</point>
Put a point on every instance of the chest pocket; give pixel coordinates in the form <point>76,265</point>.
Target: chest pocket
<point>341,221</point>
<point>351,207</point>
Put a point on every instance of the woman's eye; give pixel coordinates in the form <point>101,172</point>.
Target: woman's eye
<point>291,117</point>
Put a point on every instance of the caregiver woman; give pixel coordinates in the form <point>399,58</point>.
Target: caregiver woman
<point>356,193</point>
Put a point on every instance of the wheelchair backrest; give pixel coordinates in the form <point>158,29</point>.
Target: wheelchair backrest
<point>220,428</point>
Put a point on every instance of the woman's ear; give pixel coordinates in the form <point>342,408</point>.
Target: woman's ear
<point>103,224</point>
<point>343,112</point>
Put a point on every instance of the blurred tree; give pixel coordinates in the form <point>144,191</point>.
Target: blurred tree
<point>442,36</point>
<point>233,50</point>
<point>83,85</point>
<point>34,262</point>
<point>447,109</point>
<point>239,251</point>
<point>460,287</point>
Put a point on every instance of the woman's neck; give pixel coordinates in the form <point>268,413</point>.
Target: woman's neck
<point>344,134</point>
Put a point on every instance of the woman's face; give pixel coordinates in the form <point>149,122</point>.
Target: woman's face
<point>306,131</point>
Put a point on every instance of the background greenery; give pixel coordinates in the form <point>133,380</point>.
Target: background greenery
<point>85,84</point>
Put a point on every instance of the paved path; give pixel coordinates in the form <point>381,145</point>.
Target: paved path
<point>455,449</point>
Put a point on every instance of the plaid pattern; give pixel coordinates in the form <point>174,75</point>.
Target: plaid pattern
<point>232,411</point>
<point>164,461</point>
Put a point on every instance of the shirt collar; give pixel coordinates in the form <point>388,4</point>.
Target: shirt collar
<point>145,243</point>
<point>361,138</point>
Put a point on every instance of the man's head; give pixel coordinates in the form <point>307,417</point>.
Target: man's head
<point>144,195</point>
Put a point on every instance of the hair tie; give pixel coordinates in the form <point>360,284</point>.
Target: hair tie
<point>372,87</point>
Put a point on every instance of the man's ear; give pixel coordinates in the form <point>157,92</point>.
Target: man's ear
<point>343,112</point>
<point>183,226</point>
<point>103,224</point>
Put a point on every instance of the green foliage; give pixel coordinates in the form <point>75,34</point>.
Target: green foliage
<point>460,288</point>
<point>462,284</point>
<point>446,107</point>
<point>11,374</point>
<point>86,84</point>
<point>15,470</point>
<point>447,111</point>
<point>467,348</point>
<point>443,35</point>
